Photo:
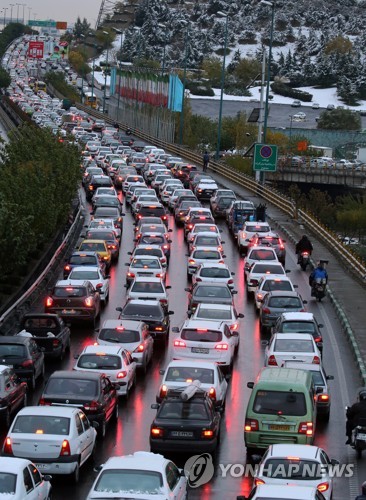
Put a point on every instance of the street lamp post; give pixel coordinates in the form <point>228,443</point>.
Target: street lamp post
<point>23,4</point>
<point>5,9</point>
<point>29,11</point>
<point>136,28</point>
<point>181,121</point>
<point>105,74</point>
<point>221,14</point>
<point>11,11</point>
<point>161,25</point>
<point>18,5</point>
<point>272,5</point>
<point>82,72</point>
<point>120,32</point>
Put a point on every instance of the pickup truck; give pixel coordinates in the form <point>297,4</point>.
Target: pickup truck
<point>49,331</point>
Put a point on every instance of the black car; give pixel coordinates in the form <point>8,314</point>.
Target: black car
<point>95,182</point>
<point>155,210</point>
<point>77,259</point>
<point>93,392</point>
<point>24,356</point>
<point>185,423</point>
<point>209,293</point>
<point>150,312</point>
<point>13,394</point>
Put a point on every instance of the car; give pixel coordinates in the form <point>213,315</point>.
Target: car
<point>156,238</point>
<point>150,312</point>
<point>98,246</point>
<point>131,335</point>
<point>22,354</point>
<point>205,189</point>
<point>270,283</point>
<point>202,228</point>
<point>206,239</point>
<point>13,396</point>
<point>105,200</point>
<point>271,240</point>
<point>209,272</point>
<point>106,224</point>
<point>258,254</point>
<point>179,374</point>
<point>140,475</point>
<point>183,207</point>
<point>276,303</point>
<point>260,269</point>
<point>330,107</point>
<point>152,250</point>
<point>59,439</point>
<point>182,170</point>
<point>81,302</point>
<point>152,229</point>
<point>148,288</point>
<point>132,179</point>
<point>300,322</point>
<point>271,492</point>
<point>110,213</point>
<point>20,480</point>
<point>94,275</point>
<point>109,236</point>
<point>197,215</point>
<point>290,346</point>
<point>299,116</point>
<point>296,104</point>
<point>298,464</point>
<point>145,266</point>
<point>143,198</point>
<point>209,293</point>
<point>114,361</point>
<point>133,187</point>
<point>201,255</point>
<point>248,231</point>
<point>152,210</point>
<point>315,105</point>
<point>200,339</point>
<point>220,204</point>
<point>237,214</point>
<point>95,182</point>
<point>181,191</point>
<point>92,392</point>
<point>168,190</point>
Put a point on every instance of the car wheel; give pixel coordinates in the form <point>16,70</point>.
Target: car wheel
<point>7,418</point>
<point>42,374</point>
<point>32,382</point>
<point>75,476</point>
<point>102,429</point>
<point>25,401</point>
<point>106,300</point>
<point>116,412</point>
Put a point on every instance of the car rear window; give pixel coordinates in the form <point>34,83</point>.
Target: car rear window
<point>201,335</point>
<point>83,275</point>
<point>111,201</point>
<point>75,387</point>
<point>8,351</point>
<point>262,255</point>
<point>153,228</point>
<point>69,291</point>
<point>293,345</point>
<point>213,272</point>
<point>268,241</point>
<point>37,424</point>
<point>217,314</point>
<point>101,235</point>
<point>181,410</point>
<point>101,212</point>
<point>207,254</point>
<point>119,335</point>
<point>224,202</point>
<point>93,247</point>
<point>99,361</point>
<point>206,241</point>
<point>267,269</point>
<point>212,291</point>
<point>292,468</point>
<point>298,327</point>
<point>7,483</point>
<point>149,239</point>
<point>284,302</point>
<point>272,402</point>
<point>146,287</point>
<point>189,373</point>
<point>277,285</point>
<point>157,252</point>
<point>152,211</point>
<point>145,264</point>
<point>121,481</point>
<point>143,310</point>
<point>257,229</point>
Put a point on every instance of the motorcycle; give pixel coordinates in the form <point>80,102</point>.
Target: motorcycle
<point>304,260</point>
<point>359,437</point>
<point>319,288</point>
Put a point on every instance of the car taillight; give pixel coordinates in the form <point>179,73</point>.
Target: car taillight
<point>322,487</point>
<point>49,302</point>
<point>190,226</point>
<point>258,482</point>
<point>165,247</point>
<point>163,391</point>
<point>131,275</point>
<point>259,296</point>
<point>234,327</point>
<point>179,343</point>
<point>251,425</point>
<point>316,360</point>
<point>265,310</point>
<point>55,342</point>
<point>306,428</point>
<point>67,268</point>
<point>43,402</point>
<point>198,279</point>
<point>230,282</point>
<point>8,450</point>
<point>91,187</point>
<point>318,339</point>
<point>140,348</point>
<point>222,347</point>
<point>323,398</point>
<point>163,301</point>
<point>88,302</point>
<point>122,374</point>
<point>207,434</point>
<point>243,235</point>
<point>191,261</point>
<point>158,328</point>
<point>156,432</point>
<point>159,275</point>
<point>92,406</point>
<point>272,361</point>
<point>164,217</point>
<point>27,363</point>
<point>113,247</point>
<point>212,393</point>
<point>65,448</point>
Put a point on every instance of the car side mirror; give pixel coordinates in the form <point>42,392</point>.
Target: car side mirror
<point>76,356</point>
<point>264,343</point>
<point>223,242</point>
<point>168,287</point>
<point>47,477</point>
<point>333,461</point>
<point>189,313</point>
<point>187,254</point>
<point>287,271</point>
<point>240,315</point>
<point>305,301</point>
<point>155,406</point>
<point>92,212</point>
<point>250,385</point>
<point>232,274</point>
<point>175,329</point>
<point>170,230</point>
<point>95,424</point>
<point>295,286</point>
<point>330,377</point>
<point>135,360</point>
<point>170,313</point>
<point>188,289</point>
<point>119,309</point>
<point>135,239</point>
<point>223,256</point>
<point>234,292</point>
<point>235,334</point>
<point>127,264</point>
<point>170,241</point>
<point>161,372</point>
<point>320,325</point>
<point>129,253</point>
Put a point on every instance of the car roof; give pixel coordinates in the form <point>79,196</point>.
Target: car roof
<point>210,284</point>
<point>107,349</point>
<point>92,241</point>
<point>293,336</point>
<point>265,263</point>
<point>149,302</point>
<point>224,307</point>
<point>73,374</point>
<point>205,265</point>
<point>86,268</point>
<point>143,279</point>
<point>283,294</point>
<point>208,249</point>
<point>202,324</point>
<point>144,257</point>
<point>13,464</point>
<point>294,450</point>
<point>282,492</point>
<point>66,283</point>
<point>140,460</point>
<point>281,277</point>
<point>260,247</point>
<point>125,323</point>
<point>297,316</point>
<point>60,411</point>
<point>13,339</point>
<point>309,367</point>
<point>192,363</point>
<point>86,253</point>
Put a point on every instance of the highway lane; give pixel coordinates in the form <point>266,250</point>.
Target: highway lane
<point>132,430</point>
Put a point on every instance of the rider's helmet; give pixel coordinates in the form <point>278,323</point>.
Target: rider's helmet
<point>362,397</point>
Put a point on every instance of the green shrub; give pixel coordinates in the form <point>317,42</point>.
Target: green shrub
<point>283,89</point>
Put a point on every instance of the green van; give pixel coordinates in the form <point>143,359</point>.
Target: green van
<point>281,409</point>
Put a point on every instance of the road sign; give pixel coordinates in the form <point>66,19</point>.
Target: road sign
<point>35,50</point>
<point>265,158</point>
<point>47,24</point>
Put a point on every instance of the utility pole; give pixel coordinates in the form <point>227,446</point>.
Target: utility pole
<point>261,108</point>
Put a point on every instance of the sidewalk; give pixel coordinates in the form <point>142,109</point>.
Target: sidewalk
<point>346,294</point>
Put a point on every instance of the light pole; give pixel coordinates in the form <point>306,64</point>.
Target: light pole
<point>18,5</point>
<point>29,11</point>
<point>181,121</point>
<point>272,5</point>
<point>221,14</point>
<point>161,25</point>
<point>136,28</point>
<point>82,71</point>
<point>105,73</point>
<point>23,4</point>
<point>119,32</point>
<point>11,11</point>
<point>5,9</point>
<point>290,140</point>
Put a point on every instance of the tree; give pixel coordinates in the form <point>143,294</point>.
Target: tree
<point>212,68</point>
<point>338,45</point>
<point>5,79</point>
<point>78,28</point>
<point>351,215</point>
<point>339,119</point>
<point>246,70</point>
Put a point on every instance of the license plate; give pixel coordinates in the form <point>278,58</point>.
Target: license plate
<point>200,350</point>
<point>181,434</point>
<point>68,311</point>
<point>144,274</point>
<point>41,466</point>
<point>361,437</point>
<point>279,427</point>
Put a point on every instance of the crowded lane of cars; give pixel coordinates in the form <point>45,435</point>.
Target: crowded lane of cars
<point>185,312</point>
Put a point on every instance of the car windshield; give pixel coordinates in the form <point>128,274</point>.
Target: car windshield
<point>293,345</point>
<point>69,291</point>
<point>125,481</point>
<point>149,239</point>
<point>12,351</point>
<point>110,200</point>
<point>92,247</point>
<point>201,335</point>
<point>262,255</point>
<point>217,314</point>
<point>207,254</point>
<point>277,285</point>
<point>84,275</point>
<point>147,287</point>
<point>99,361</point>
<point>267,269</point>
<point>213,291</point>
<point>183,410</point>
<point>7,483</point>
<point>189,373</point>
<point>38,424</point>
<point>292,468</point>
<point>273,402</point>
<point>206,241</point>
<point>75,387</point>
<point>257,229</point>
<point>145,264</point>
<point>298,327</point>
<point>119,335</point>
<point>285,302</point>
<point>214,272</point>
<point>142,311</point>
<point>224,202</point>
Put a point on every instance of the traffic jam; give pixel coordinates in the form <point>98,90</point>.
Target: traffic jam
<point>180,326</point>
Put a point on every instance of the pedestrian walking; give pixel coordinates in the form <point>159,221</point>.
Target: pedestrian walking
<point>206,159</point>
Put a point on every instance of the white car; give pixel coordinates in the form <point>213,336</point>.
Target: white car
<point>180,374</point>
<point>145,249</point>
<point>249,230</point>
<point>213,273</point>
<point>145,266</point>
<point>271,283</point>
<point>271,492</point>
<point>259,254</point>
<point>298,464</point>
<point>176,193</point>
<point>199,339</point>
<point>21,480</point>
<point>204,239</point>
<point>141,475</point>
<point>102,191</point>
<point>260,269</point>
<point>103,224</point>
<point>205,189</point>
<point>202,255</point>
<point>58,439</point>
<point>202,228</point>
<point>132,179</point>
<point>283,347</point>
<point>148,288</point>
<point>114,361</point>
<point>150,198</point>
<point>94,274</point>
<point>132,335</point>
<point>168,190</point>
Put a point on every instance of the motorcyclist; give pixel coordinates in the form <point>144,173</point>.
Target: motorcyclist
<point>355,413</point>
<point>303,245</point>
<point>318,273</point>
<point>363,492</point>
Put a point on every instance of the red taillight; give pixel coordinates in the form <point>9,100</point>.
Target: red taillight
<point>222,347</point>
<point>198,279</point>
<point>112,247</point>
<point>163,391</point>
<point>251,425</point>
<point>67,268</point>
<point>27,363</point>
<point>159,275</point>
<point>156,432</point>
<point>179,343</point>
<point>207,434</point>
<point>88,302</point>
<point>306,428</point>
<point>140,348</point>
<point>316,360</point>
<point>122,374</point>
<point>92,406</point>
<point>8,450</point>
<point>49,302</point>
<point>131,275</point>
<point>322,487</point>
<point>230,282</point>
<point>191,261</point>
<point>272,361</point>
<point>265,310</point>
<point>234,327</point>
<point>42,402</point>
<point>65,448</point>
<point>318,339</point>
<point>212,393</point>
<point>323,398</point>
<point>258,482</point>
<point>163,301</point>
<point>55,342</point>
<point>158,328</point>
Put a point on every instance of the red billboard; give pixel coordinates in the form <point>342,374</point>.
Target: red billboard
<point>35,50</point>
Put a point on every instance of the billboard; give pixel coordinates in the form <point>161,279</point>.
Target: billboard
<point>144,87</point>
<point>35,50</point>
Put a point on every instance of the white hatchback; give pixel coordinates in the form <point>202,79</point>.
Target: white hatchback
<point>58,439</point>
<point>259,254</point>
<point>249,230</point>
<point>299,347</point>
<point>20,480</point>
<point>94,274</point>
<point>260,269</point>
<point>202,255</point>
<point>148,288</point>
<point>271,283</point>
